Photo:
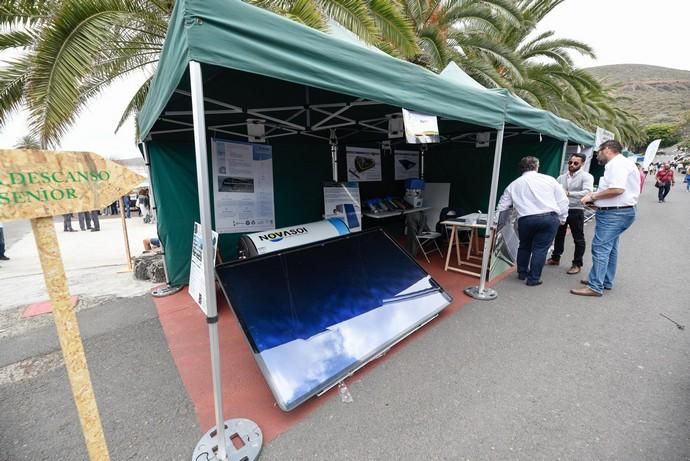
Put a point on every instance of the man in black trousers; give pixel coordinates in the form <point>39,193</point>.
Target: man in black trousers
<point>577,183</point>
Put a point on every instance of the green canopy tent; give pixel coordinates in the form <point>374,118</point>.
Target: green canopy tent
<point>305,85</point>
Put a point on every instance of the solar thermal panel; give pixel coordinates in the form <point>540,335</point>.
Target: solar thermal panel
<point>315,314</point>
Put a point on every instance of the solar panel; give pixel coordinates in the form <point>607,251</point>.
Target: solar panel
<point>315,314</point>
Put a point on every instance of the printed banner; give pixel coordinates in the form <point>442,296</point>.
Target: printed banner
<point>196,273</point>
<point>406,164</point>
<point>363,164</point>
<point>341,200</point>
<point>242,186</point>
<point>420,128</point>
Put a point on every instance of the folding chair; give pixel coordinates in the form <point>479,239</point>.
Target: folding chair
<point>425,239</point>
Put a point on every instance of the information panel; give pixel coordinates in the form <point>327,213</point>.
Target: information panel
<point>406,164</point>
<point>363,164</point>
<point>242,186</point>
<point>315,314</point>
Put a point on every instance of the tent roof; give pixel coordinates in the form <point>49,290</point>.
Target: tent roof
<point>233,35</point>
<point>520,113</point>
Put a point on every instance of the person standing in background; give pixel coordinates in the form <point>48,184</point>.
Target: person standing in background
<point>664,180</point>
<point>95,221</point>
<point>2,244</point>
<point>576,183</point>
<point>541,204</point>
<point>67,222</point>
<point>84,220</point>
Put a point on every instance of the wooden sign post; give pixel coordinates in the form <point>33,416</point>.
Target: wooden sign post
<point>37,185</point>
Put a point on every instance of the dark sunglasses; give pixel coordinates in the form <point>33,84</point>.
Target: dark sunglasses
<point>573,163</point>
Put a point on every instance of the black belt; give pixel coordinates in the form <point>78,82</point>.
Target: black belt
<point>540,214</point>
<point>615,207</point>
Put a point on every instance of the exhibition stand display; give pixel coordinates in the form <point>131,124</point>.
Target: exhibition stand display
<point>274,122</point>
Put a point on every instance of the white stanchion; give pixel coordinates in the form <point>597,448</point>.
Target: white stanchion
<point>216,444</point>
<point>482,292</point>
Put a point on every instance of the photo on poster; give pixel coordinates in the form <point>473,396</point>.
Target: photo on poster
<point>406,164</point>
<point>341,200</point>
<point>363,164</point>
<point>242,186</point>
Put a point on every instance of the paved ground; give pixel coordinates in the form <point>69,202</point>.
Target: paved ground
<point>142,402</point>
<point>93,261</point>
<point>536,374</point>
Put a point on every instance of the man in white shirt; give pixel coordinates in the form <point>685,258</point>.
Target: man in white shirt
<point>541,205</point>
<point>616,200</point>
<point>576,183</point>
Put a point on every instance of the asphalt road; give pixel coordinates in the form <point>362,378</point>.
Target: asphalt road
<point>536,374</point>
<point>143,405</point>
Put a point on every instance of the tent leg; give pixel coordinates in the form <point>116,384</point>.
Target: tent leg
<point>565,150</point>
<point>217,437</point>
<point>481,292</point>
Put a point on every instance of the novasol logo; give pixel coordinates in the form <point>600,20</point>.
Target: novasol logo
<point>277,236</point>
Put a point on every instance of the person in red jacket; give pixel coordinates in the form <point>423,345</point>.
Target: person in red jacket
<point>664,180</point>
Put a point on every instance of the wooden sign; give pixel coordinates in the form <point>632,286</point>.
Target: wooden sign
<point>37,185</point>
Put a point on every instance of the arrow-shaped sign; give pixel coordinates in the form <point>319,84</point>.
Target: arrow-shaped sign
<point>40,184</point>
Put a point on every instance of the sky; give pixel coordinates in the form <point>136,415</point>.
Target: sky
<point>620,31</point>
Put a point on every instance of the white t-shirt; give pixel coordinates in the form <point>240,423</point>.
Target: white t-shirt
<point>535,193</point>
<point>620,173</point>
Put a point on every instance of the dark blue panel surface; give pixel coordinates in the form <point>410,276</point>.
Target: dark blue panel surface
<point>314,313</point>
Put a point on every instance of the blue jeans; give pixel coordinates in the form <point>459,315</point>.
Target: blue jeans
<point>536,233</point>
<point>610,224</point>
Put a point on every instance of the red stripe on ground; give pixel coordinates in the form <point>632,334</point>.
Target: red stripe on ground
<point>245,393</point>
<point>45,307</point>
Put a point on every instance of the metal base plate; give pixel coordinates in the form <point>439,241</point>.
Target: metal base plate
<point>487,294</point>
<point>238,431</point>
<point>165,291</point>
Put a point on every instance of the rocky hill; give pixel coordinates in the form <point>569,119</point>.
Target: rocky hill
<point>654,94</point>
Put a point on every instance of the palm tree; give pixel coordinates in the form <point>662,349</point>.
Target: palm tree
<point>27,142</point>
<point>68,51</point>
<point>447,30</point>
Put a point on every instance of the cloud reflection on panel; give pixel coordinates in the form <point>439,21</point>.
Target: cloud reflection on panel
<point>298,367</point>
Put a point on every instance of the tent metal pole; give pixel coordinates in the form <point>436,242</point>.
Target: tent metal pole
<point>208,256</point>
<point>245,429</point>
<point>565,150</point>
<point>481,292</point>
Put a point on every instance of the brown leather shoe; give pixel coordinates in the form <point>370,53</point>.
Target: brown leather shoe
<point>586,291</point>
<point>586,282</point>
<point>573,270</point>
<point>552,262</point>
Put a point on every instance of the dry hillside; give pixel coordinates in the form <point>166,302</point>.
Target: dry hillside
<point>654,94</point>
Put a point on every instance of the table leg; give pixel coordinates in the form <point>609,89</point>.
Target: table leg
<point>451,240</point>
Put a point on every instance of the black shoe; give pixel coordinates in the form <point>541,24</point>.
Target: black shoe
<point>4,258</point>
<point>522,277</point>
<point>533,284</point>
<point>95,230</point>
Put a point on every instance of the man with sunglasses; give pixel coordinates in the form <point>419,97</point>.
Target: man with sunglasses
<point>577,183</point>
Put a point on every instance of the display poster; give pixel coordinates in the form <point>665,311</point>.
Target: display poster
<point>363,164</point>
<point>341,200</point>
<point>196,272</point>
<point>406,164</point>
<point>602,136</point>
<point>242,186</point>
<point>420,128</point>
